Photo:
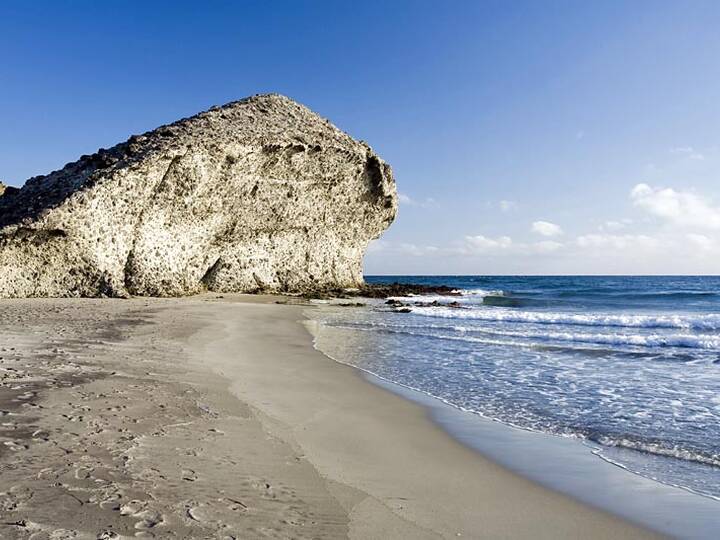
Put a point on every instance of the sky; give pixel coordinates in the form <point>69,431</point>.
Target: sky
<point>538,137</point>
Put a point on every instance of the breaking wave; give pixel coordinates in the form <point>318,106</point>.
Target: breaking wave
<point>689,322</point>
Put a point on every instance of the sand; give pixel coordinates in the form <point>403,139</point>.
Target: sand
<point>214,417</point>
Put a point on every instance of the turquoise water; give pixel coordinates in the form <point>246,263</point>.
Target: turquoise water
<point>629,365</point>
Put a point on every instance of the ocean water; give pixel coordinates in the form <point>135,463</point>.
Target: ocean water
<point>628,365</point>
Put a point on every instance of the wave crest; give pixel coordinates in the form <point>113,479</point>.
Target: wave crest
<point>686,322</point>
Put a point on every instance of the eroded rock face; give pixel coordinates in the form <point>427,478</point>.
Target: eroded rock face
<point>260,194</point>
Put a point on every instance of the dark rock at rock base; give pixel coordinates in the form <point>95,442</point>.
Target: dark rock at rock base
<point>382,290</point>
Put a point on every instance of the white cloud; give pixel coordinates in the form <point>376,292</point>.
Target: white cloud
<point>683,208</point>
<point>409,201</point>
<point>687,151</point>
<point>664,252</point>
<point>545,228</point>
<point>689,242</point>
<point>480,243</point>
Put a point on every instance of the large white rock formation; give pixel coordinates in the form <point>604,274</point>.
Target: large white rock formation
<point>258,195</point>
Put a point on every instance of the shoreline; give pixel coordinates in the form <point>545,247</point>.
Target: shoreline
<point>570,467</point>
<point>508,506</point>
<point>573,467</point>
<point>212,417</point>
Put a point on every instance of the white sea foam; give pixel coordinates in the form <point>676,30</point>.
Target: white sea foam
<point>658,449</point>
<point>689,322</point>
<point>690,341</point>
<point>638,340</point>
<point>479,292</point>
<point>459,295</point>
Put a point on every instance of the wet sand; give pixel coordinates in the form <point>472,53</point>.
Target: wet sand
<point>214,417</point>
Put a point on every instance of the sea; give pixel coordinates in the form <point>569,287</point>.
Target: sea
<point>629,365</point>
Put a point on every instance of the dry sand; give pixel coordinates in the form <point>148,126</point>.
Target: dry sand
<point>215,418</point>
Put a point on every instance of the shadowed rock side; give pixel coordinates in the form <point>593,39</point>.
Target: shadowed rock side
<point>258,195</point>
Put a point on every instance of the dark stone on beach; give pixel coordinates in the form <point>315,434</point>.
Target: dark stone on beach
<point>403,310</point>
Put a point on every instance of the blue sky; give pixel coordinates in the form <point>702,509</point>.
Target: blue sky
<point>526,137</point>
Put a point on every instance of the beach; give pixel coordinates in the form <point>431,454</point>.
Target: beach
<point>214,417</point>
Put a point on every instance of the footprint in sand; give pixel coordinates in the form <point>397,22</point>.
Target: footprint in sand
<point>149,519</point>
<point>40,435</point>
<point>111,504</point>
<point>235,504</point>
<point>189,475</point>
<point>15,447</point>
<point>138,509</point>
<point>63,534</point>
<point>215,432</point>
<point>117,408</point>
<point>131,508</point>
<point>34,405</point>
<point>83,473</point>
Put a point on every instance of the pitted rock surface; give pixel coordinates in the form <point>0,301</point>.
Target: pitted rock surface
<point>261,194</point>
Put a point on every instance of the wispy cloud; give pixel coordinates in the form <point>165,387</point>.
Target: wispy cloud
<point>616,241</point>
<point>546,228</point>
<point>546,246</point>
<point>409,201</point>
<point>507,205</point>
<point>468,246</point>
<point>615,225</point>
<point>688,152</point>
<point>402,248</point>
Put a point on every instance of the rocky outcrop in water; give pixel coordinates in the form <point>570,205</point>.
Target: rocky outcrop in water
<point>258,195</point>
